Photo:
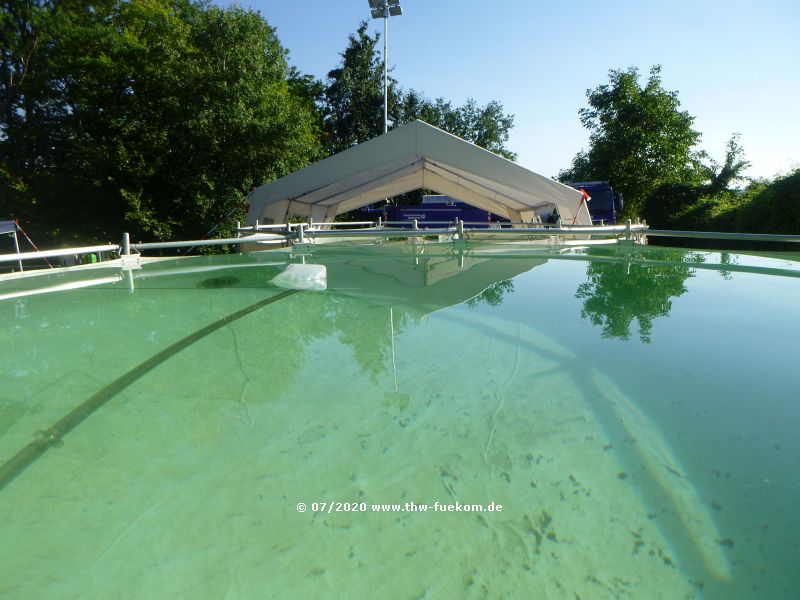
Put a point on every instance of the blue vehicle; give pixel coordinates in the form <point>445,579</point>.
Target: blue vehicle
<point>436,211</point>
<point>605,205</point>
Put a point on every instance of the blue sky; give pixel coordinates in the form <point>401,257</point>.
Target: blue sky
<point>734,64</point>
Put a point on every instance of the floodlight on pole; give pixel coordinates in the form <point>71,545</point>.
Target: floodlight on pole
<point>383,9</point>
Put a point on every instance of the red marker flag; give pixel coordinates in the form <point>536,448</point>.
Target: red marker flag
<point>584,198</point>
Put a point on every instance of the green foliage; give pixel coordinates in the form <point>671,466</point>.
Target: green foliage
<point>723,176</point>
<point>618,293</point>
<point>693,207</point>
<point>773,207</point>
<point>712,212</point>
<point>667,202</point>
<point>353,98</point>
<point>644,145</point>
<point>158,116</point>
<point>353,104</point>
<point>640,139</point>
<point>485,126</point>
<point>761,207</point>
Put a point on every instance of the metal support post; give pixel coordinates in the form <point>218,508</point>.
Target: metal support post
<point>16,247</point>
<point>386,71</point>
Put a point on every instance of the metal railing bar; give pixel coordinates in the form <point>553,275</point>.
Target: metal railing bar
<point>73,285</point>
<point>342,223</point>
<point>261,226</point>
<point>264,237</point>
<point>719,235</point>
<point>420,222</point>
<point>378,232</point>
<point>382,232</point>
<point>55,253</point>
<point>571,230</point>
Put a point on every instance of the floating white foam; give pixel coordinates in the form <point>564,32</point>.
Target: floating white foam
<point>303,277</point>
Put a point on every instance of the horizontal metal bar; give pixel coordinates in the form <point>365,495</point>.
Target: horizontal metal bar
<point>495,224</point>
<point>582,230</point>
<point>55,253</point>
<point>504,223</point>
<point>609,230</point>
<point>263,237</point>
<point>74,285</point>
<point>341,223</point>
<point>261,226</point>
<point>377,232</point>
<point>419,222</point>
<point>382,232</point>
<point>565,229</point>
<point>719,235</point>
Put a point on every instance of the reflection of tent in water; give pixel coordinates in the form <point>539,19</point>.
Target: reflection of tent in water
<point>404,287</point>
<point>419,282</point>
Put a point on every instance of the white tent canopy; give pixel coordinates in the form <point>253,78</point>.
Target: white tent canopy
<point>410,157</point>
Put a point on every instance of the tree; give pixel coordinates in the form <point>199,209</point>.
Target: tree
<point>353,104</point>
<point>640,139</point>
<point>707,205</point>
<point>29,102</point>
<point>153,116</point>
<point>722,176</point>
<point>773,207</point>
<point>353,99</point>
<point>485,126</point>
<point>244,123</point>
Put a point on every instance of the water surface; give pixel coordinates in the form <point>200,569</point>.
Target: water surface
<point>633,411</point>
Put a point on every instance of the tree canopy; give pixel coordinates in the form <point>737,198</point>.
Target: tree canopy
<point>353,104</point>
<point>485,126</point>
<point>645,146</point>
<point>153,116</point>
<point>353,97</point>
<point>772,207</point>
<point>640,139</point>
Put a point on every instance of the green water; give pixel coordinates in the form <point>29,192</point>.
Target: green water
<point>633,411</point>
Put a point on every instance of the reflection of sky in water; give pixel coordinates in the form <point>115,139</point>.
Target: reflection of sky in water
<point>492,356</point>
